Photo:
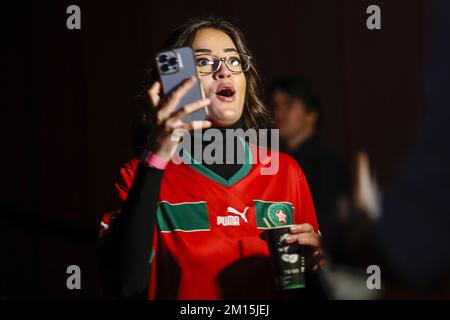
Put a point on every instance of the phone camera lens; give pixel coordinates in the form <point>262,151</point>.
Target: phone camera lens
<point>162,58</point>
<point>164,67</point>
<point>173,61</point>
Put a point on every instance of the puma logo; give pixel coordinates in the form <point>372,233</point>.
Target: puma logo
<point>232,220</point>
<point>241,214</point>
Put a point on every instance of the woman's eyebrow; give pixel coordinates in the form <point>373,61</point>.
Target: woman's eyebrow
<point>210,51</point>
<point>203,50</point>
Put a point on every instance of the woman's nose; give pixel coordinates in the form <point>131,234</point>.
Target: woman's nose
<point>223,72</point>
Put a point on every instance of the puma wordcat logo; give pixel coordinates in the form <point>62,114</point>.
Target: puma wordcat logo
<point>232,220</point>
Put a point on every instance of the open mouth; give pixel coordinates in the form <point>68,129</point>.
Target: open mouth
<point>226,93</point>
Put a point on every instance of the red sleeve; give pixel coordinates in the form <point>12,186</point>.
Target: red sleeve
<point>123,186</point>
<point>304,205</point>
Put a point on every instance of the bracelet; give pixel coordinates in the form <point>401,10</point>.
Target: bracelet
<point>153,160</point>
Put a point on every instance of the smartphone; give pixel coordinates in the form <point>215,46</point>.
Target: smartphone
<point>175,66</point>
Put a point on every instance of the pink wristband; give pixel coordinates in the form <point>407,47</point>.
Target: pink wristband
<point>154,160</point>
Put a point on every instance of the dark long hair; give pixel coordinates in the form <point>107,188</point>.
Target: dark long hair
<point>255,115</point>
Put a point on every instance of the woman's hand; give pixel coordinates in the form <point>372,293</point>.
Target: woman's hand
<point>167,119</point>
<point>304,235</point>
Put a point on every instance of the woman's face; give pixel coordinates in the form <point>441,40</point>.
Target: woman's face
<point>225,89</point>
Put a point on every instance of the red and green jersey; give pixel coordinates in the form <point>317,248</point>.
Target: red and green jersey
<point>207,243</point>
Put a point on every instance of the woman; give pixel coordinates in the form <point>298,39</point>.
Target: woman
<point>173,237</point>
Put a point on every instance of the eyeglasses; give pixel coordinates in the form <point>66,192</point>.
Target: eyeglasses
<point>236,62</point>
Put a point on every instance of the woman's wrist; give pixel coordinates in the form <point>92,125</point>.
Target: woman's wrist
<point>153,160</point>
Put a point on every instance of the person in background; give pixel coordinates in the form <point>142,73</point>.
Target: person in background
<point>297,115</point>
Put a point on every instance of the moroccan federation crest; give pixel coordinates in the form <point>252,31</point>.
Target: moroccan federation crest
<point>279,214</point>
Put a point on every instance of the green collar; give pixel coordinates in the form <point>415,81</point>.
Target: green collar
<point>238,176</point>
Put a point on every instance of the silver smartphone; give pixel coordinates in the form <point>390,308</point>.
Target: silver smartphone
<point>175,66</point>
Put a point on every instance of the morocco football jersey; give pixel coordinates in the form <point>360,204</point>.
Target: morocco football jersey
<point>207,242</point>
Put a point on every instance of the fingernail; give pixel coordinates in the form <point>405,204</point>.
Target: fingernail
<point>288,238</point>
<point>292,228</point>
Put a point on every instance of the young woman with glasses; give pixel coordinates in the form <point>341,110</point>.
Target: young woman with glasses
<point>193,231</point>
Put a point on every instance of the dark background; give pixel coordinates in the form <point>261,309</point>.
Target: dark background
<point>68,106</point>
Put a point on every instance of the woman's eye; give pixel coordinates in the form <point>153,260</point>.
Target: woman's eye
<point>235,61</point>
<point>202,62</point>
